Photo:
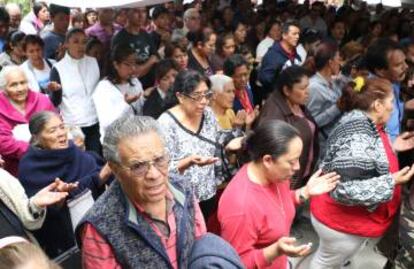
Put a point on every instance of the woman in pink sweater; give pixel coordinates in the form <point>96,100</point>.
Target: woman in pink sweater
<point>257,208</point>
<point>17,105</point>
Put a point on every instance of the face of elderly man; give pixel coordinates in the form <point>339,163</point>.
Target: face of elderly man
<point>143,171</point>
<point>16,86</point>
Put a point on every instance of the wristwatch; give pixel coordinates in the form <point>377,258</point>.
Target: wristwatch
<point>302,197</point>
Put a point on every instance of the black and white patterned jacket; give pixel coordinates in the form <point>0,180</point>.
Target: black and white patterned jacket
<point>356,152</point>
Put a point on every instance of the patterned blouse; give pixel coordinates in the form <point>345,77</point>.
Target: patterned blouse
<point>206,142</point>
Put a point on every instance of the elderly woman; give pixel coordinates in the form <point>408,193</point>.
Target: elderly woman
<point>17,105</point>
<point>257,208</point>
<point>287,103</point>
<point>36,67</point>
<point>51,156</point>
<point>325,91</point>
<point>194,137</point>
<point>362,206</point>
<point>120,90</point>
<point>222,104</point>
<point>78,75</point>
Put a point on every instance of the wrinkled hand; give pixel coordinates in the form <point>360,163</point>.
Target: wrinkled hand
<point>48,196</point>
<point>318,184</point>
<point>65,187</point>
<point>240,118</point>
<point>403,175</point>
<point>235,144</point>
<point>54,86</point>
<point>202,161</point>
<point>250,117</point>
<point>404,142</point>
<point>286,246</point>
<point>130,98</point>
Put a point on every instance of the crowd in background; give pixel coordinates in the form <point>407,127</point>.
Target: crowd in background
<point>177,122</point>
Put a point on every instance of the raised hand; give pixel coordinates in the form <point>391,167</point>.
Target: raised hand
<point>319,184</point>
<point>129,98</point>
<point>404,142</point>
<point>240,118</point>
<point>47,196</point>
<point>286,246</point>
<point>403,175</point>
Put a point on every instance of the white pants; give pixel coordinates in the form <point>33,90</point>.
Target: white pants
<point>334,247</point>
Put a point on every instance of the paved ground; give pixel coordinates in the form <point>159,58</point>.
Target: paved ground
<point>367,258</point>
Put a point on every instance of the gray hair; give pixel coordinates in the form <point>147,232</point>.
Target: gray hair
<point>218,82</point>
<point>37,123</point>
<point>6,71</point>
<point>190,12</point>
<point>127,127</point>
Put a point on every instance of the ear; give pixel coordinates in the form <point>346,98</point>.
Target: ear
<point>179,97</point>
<point>285,91</point>
<point>377,106</point>
<point>267,160</point>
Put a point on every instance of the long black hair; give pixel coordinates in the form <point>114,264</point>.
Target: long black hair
<point>119,54</point>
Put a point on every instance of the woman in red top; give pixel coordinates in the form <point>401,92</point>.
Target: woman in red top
<point>257,208</point>
<point>365,201</point>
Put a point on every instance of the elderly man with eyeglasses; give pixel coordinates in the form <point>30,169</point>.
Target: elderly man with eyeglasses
<point>142,220</point>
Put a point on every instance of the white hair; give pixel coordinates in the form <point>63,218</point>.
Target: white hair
<point>218,82</point>
<point>13,7</point>
<point>190,12</point>
<point>6,71</point>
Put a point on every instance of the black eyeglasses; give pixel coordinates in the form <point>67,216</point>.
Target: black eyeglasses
<point>198,97</point>
<point>139,169</point>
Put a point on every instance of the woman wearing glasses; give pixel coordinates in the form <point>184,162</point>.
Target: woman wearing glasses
<point>120,90</point>
<point>193,137</point>
<point>51,155</point>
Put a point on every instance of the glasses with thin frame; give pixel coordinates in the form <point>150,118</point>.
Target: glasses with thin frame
<point>198,97</point>
<point>141,168</point>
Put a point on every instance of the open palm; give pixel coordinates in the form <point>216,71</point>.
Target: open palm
<point>320,184</point>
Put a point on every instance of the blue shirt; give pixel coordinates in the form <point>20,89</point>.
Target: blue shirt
<point>394,123</point>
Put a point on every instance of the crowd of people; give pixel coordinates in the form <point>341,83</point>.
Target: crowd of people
<point>196,135</point>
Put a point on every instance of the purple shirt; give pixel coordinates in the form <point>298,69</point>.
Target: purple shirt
<point>99,32</point>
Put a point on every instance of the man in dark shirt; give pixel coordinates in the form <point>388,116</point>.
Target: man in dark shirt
<point>143,44</point>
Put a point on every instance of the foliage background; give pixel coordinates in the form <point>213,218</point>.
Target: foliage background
<point>25,4</point>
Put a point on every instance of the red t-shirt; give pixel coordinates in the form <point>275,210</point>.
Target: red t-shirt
<point>358,220</point>
<point>254,216</point>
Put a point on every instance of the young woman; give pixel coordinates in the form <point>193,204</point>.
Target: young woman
<point>203,46</point>
<point>78,74</point>
<point>13,50</point>
<point>178,53</point>
<point>225,47</point>
<point>120,91</point>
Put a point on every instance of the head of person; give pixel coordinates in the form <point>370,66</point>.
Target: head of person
<point>236,67</point>
<point>225,45</point>
<point>95,48</point>
<point>328,57</point>
<point>204,42</point>
<point>161,18</point>
<point>239,32</point>
<point>223,89</point>
<point>375,28</point>
<point>75,42</point>
<point>123,63</point>
<point>191,91</point>
<point>178,53</point>
<point>60,17</point>
<point>91,17</point>
<point>78,21</point>
<point>247,54</point>
<point>316,10</point>
<point>21,254</point>
<point>290,33</point>
<point>293,83</point>
<point>4,23</point>
<point>106,16</point>
<point>373,96</point>
<point>351,50</point>
<point>274,30</point>
<point>276,146</point>
<point>121,17</point>
<point>355,67</point>
<point>14,44</point>
<point>15,14</point>
<point>41,11</point>
<point>48,131</point>
<point>386,59</point>
<point>14,82</point>
<point>165,72</point>
<point>310,39</point>
<point>338,29</point>
<point>192,20</point>
<point>135,150</point>
<point>33,48</point>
